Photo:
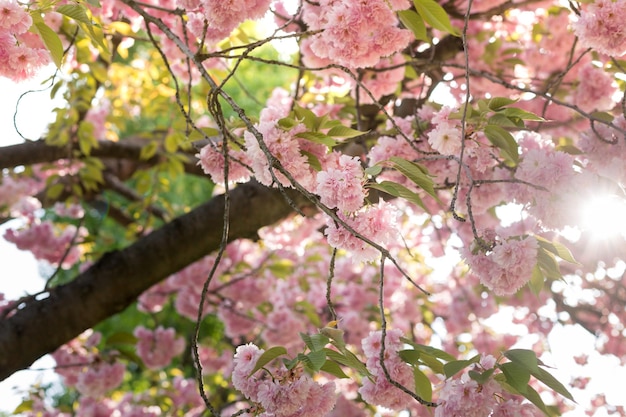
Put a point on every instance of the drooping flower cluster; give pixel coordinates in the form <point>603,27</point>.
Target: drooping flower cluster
<point>157,348</point>
<point>507,266</point>
<point>222,16</point>
<point>340,184</point>
<point>375,222</point>
<point>286,394</point>
<point>47,243</point>
<point>378,390</point>
<point>211,159</point>
<point>355,33</point>
<point>601,27</point>
<point>81,365</point>
<point>21,53</point>
<point>466,397</point>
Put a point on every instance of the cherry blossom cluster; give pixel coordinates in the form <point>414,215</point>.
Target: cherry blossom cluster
<point>22,53</point>
<point>157,348</point>
<point>355,33</point>
<point>82,366</point>
<point>600,26</point>
<point>378,390</point>
<point>286,393</point>
<point>221,17</point>
<point>503,266</point>
<point>46,242</point>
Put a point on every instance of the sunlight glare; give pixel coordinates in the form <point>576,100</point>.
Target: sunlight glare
<point>605,216</point>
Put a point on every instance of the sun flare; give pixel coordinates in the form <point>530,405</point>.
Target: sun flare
<point>604,216</point>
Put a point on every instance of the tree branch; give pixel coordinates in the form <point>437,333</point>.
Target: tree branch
<point>40,326</point>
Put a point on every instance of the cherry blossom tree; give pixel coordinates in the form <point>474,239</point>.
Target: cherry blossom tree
<point>317,208</point>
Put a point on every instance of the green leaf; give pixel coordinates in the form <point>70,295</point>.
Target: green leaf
<point>398,190</point>
<point>417,173</point>
<point>173,141</point>
<point>481,377</point>
<point>315,360</point>
<point>287,123</point>
<point>373,170</point>
<point>524,357</point>
<point>516,376</point>
<point>313,161</point>
<point>74,11</point>
<point>415,23</point>
<point>410,356</point>
<point>423,386</point>
<point>204,133</point>
<point>268,356</point>
<point>499,119</point>
<point>348,359</point>
<point>148,151</point>
<point>86,138</point>
<point>503,140</point>
<point>435,15</point>
<point>344,132</point>
<point>548,264</point>
<point>522,114</point>
<point>332,368</point>
<point>318,137</point>
<point>534,397</point>
<point>536,280</point>
<point>52,42</point>
<point>26,405</point>
<point>602,116</point>
<point>54,191</point>
<point>497,103</point>
<point>310,120</point>
<point>557,248</point>
<point>429,350</point>
<point>547,378</point>
<point>453,367</point>
<point>315,341</point>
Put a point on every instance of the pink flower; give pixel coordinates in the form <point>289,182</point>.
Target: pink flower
<point>512,408</point>
<point>13,18</point>
<point>445,139</point>
<point>157,348</point>
<point>355,34</point>
<point>466,398</point>
<point>99,378</point>
<point>376,222</point>
<point>595,90</point>
<point>245,359</point>
<point>508,267</point>
<point>342,186</point>
<point>601,27</point>
<point>211,159</point>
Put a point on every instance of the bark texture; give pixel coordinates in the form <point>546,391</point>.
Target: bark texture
<point>40,326</point>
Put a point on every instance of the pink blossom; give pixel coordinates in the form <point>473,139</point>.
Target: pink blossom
<point>445,139</point>
<point>13,18</point>
<point>244,361</point>
<point>157,348</point>
<point>595,90</point>
<point>211,159</point>
<point>376,222</point>
<point>388,72</point>
<point>224,16</point>
<point>355,34</point>
<point>601,27</point>
<point>513,408</point>
<point>342,187</point>
<point>508,267</point>
<point>466,398</point>
<point>378,390</point>
<point>46,243</point>
<point>99,378</point>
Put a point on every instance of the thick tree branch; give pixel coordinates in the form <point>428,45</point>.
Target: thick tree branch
<point>37,152</point>
<point>118,278</point>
